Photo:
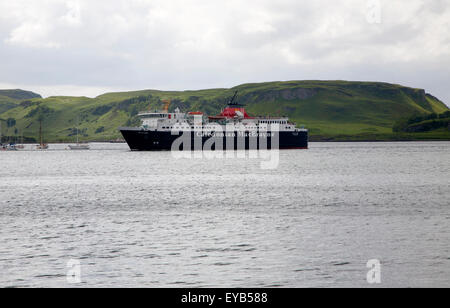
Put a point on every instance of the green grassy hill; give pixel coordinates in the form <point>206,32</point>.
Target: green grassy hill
<point>332,110</point>
<point>10,98</point>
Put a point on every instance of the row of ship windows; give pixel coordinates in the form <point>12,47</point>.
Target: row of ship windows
<point>198,127</point>
<point>273,122</point>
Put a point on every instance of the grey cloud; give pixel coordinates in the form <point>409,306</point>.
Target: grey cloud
<point>198,44</point>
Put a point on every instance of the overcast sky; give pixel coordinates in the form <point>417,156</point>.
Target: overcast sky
<point>86,47</point>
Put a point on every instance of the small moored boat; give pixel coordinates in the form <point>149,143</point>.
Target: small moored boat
<point>79,146</point>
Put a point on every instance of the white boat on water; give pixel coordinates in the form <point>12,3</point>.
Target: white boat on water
<point>42,146</point>
<point>79,146</point>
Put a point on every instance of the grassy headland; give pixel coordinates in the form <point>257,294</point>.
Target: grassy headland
<point>332,110</point>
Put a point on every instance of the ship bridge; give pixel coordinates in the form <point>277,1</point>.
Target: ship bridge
<point>155,119</point>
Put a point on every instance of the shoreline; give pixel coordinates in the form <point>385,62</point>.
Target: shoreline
<point>381,140</point>
<point>310,141</point>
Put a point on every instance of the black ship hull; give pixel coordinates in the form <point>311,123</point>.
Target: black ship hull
<point>139,139</point>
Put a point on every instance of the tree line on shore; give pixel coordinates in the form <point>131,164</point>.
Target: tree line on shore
<point>422,122</point>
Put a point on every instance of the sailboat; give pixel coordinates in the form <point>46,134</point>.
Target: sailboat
<point>20,146</point>
<point>42,145</point>
<point>79,146</point>
<point>2,147</point>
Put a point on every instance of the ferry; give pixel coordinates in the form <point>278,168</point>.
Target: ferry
<point>232,129</point>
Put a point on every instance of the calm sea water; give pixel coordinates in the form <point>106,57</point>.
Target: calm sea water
<point>147,219</point>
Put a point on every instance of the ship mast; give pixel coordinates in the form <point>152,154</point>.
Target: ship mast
<point>78,123</point>
<point>233,101</point>
<point>40,131</point>
<point>233,98</point>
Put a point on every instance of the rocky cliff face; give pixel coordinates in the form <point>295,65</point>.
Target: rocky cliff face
<point>419,96</point>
